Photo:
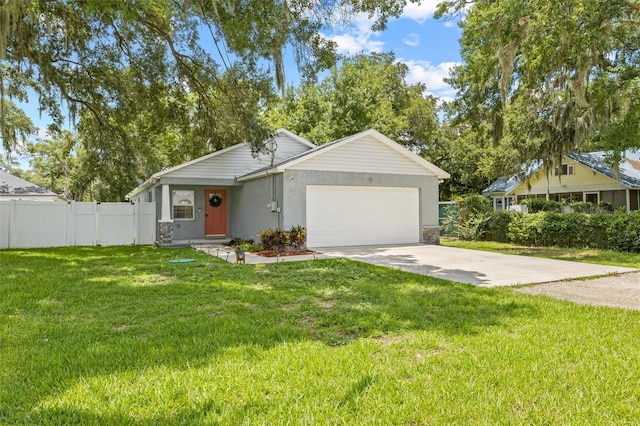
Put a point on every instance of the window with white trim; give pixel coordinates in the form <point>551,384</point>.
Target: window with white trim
<point>182,204</point>
<point>565,169</point>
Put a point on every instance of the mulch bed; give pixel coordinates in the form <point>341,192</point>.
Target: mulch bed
<point>273,253</point>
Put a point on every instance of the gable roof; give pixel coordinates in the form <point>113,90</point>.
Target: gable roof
<point>596,161</point>
<point>240,152</point>
<point>11,185</point>
<point>328,147</point>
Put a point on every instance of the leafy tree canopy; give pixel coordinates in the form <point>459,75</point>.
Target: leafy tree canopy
<point>75,50</point>
<point>549,75</point>
<point>16,128</point>
<point>141,86</point>
<point>364,91</point>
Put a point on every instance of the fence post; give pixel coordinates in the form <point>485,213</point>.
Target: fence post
<point>136,221</point>
<point>12,223</point>
<point>70,222</point>
<point>5,229</point>
<point>96,205</point>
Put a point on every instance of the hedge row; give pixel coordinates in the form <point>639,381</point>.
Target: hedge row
<point>618,231</point>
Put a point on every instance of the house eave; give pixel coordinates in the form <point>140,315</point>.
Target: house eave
<point>263,173</point>
<point>143,187</point>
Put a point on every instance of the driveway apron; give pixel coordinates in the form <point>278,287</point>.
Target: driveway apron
<point>475,267</point>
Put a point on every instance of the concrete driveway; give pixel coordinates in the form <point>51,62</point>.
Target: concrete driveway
<point>472,266</point>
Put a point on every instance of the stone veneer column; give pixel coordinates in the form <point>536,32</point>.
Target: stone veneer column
<point>165,232</point>
<point>431,235</point>
<point>166,223</point>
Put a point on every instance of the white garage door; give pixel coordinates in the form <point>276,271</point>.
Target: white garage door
<point>361,215</point>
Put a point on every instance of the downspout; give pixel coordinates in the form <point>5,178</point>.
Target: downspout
<point>272,146</point>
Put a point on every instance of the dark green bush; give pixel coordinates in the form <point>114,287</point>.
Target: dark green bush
<point>473,205</point>
<point>582,207</point>
<point>545,225</point>
<point>524,228</point>
<point>474,214</point>
<point>497,226</point>
<point>624,232</point>
<point>606,207</point>
<point>536,205</point>
<point>619,231</point>
<point>599,230</point>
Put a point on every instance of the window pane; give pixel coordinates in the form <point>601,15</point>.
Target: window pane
<point>182,202</point>
<point>183,198</point>
<point>183,212</point>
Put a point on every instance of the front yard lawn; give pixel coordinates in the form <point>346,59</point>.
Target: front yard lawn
<point>601,257</point>
<point>118,335</point>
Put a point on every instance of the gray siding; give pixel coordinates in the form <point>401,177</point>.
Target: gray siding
<point>249,208</point>
<point>238,161</point>
<point>189,229</point>
<point>295,182</point>
<point>365,155</point>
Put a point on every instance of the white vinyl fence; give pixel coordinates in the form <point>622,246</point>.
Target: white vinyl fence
<point>30,224</point>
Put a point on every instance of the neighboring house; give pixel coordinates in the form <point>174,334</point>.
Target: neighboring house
<point>15,188</point>
<point>363,189</point>
<point>586,177</point>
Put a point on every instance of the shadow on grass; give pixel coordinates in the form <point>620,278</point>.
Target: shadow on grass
<point>82,312</point>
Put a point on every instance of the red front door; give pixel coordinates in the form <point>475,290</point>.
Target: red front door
<point>215,209</point>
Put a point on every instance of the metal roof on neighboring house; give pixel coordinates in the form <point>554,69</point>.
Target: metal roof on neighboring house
<point>599,162</point>
<point>506,185</point>
<point>502,185</point>
<point>13,185</point>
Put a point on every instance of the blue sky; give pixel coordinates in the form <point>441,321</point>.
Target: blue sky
<point>427,46</point>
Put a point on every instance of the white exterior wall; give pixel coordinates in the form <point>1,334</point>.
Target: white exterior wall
<point>364,155</point>
<point>32,224</point>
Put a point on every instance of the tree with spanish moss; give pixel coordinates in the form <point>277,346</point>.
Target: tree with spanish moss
<point>549,76</point>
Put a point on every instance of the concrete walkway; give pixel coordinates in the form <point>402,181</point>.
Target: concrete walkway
<point>472,266</point>
<point>455,264</point>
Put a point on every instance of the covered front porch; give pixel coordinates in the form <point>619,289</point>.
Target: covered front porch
<point>627,198</point>
<point>190,213</point>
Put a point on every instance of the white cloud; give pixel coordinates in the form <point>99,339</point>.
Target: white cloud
<point>432,76</point>
<point>420,12</point>
<point>358,37</point>
<point>412,40</point>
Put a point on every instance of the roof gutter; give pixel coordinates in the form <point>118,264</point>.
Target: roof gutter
<point>263,173</point>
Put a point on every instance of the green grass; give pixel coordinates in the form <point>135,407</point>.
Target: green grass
<point>121,336</point>
<point>601,257</point>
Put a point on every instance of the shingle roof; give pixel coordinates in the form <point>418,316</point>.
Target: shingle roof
<point>13,185</point>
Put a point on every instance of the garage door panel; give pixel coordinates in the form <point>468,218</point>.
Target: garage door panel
<point>352,215</point>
